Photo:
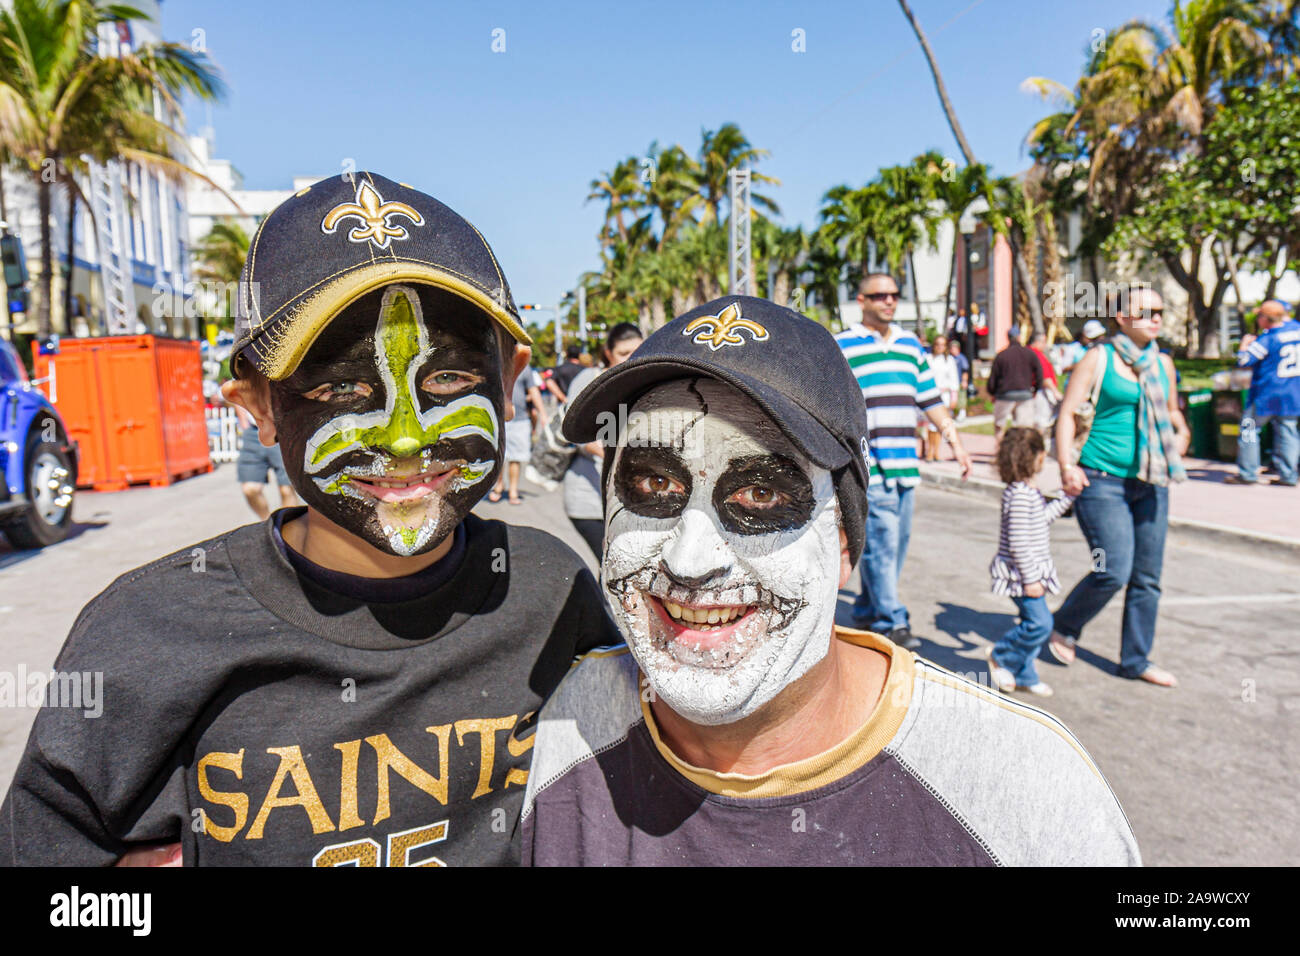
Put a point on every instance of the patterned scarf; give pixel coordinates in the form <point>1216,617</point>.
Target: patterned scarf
<point>1158,458</point>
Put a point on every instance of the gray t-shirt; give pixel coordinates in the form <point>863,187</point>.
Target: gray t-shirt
<point>526,380</point>
<point>582,480</point>
<point>943,773</point>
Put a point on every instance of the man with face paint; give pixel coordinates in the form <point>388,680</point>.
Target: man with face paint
<point>354,682</point>
<point>740,725</point>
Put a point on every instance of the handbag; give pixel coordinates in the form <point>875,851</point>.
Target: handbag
<point>1087,411</point>
<point>551,455</point>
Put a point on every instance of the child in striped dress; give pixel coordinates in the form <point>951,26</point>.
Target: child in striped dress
<point>1023,569</point>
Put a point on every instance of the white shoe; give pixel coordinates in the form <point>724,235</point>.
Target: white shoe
<point>1002,678</point>
<point>1038,690</point>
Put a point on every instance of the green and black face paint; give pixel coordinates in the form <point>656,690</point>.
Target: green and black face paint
<point>391,426</point>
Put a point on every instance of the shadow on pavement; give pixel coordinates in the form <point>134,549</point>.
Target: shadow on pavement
<point>9,555</point>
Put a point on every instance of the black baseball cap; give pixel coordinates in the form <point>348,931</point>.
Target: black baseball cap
<point>789,365</point>
<point>329,244</point>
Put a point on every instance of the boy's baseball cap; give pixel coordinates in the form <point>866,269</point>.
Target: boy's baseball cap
<point>329,244</point>
<point>789,365</point>
<point>1093,329</point>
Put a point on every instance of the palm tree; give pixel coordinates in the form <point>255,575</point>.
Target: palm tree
<point>622,192</point>
<point>219,258</point>
<point>721,152</point>
<point>1145,97</point>
<point>955,126</point>
<point>60,102</point>
<point>789,249</point>
<point>851,221</point>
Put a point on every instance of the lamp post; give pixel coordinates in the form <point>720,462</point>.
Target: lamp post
<point>967,227</point>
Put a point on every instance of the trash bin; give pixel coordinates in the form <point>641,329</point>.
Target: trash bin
<point>1198,409</point>
<point>1228,406</point>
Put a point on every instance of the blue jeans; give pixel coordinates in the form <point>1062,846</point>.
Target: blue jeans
<point>1018,648</point>
<point>1124,520</point>
<point>1286,446</point>
<point>889,527</point>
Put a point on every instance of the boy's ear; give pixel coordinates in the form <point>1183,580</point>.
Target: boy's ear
<point>511,369</point>
<point>846,559</point>
<point>253,395</point>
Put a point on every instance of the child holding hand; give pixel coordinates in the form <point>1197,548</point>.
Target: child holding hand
<point>1023,568</point>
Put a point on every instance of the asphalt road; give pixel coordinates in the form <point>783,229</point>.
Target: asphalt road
<point>1208,773</point>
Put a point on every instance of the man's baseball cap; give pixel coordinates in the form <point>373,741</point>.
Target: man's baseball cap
<point>329,244</point>
<point>1093,329</point>
<point>790,366</point>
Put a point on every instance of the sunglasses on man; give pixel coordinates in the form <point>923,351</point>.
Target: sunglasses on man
<point>880,296</point>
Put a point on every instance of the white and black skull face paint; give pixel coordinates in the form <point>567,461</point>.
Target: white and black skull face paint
<point>722,553</point>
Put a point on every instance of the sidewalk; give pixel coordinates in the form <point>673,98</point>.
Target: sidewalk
<point>1204,505</point>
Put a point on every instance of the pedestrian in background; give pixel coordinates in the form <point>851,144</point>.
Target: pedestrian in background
<point>1049,396</point>
<point>1274,398</point>
<point>1072,353</point>
<point>519,432</point>
<point>1132,453</point>
<point>1023,569</point>
<point>893,370</point>
<point>582,499</point>
<point>255,462</point>
<point>947,379</point>
<point>963,376</point>
<point>1014,382</point>
<point>565,373</point>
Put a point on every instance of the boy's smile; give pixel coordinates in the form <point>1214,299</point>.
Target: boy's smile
<point>391,425</point>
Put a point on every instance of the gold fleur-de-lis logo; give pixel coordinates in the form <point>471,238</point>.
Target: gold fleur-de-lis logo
<point>725,328</point>
<point>373,212</point>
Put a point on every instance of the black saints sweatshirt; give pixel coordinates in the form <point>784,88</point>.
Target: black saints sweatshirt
<point>262,719</point>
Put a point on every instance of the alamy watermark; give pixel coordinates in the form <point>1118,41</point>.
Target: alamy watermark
<point>76,690</point>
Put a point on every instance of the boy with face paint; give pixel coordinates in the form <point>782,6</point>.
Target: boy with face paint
<point>740,725</point>
<point>354,682</point>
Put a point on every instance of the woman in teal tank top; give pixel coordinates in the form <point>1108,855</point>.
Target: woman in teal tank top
<point>1112,444</point>
<point>1133,452</point>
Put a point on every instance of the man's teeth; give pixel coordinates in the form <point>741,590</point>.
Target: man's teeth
<point>708,617</point>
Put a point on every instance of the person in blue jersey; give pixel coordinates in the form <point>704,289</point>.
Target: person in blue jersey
<point>1274,360</point>
<point>893,371</point>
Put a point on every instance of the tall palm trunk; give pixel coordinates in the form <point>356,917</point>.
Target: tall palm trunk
<point>952,271</point>
<point>781,288</point>
<point>4,203</point>
<point>47,258</point>
<point>1022,269</point>
<point>657,315</point>
<point>966,151</point>
<point>916,292</point>
<point>72,235</point>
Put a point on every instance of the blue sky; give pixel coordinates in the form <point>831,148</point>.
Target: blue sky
<point>414,91</point>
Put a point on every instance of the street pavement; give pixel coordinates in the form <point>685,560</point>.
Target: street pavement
<point>1268,513</point>
<point>1208,772</point>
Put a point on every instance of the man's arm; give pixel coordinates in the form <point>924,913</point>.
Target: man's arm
<point>1252,352</point>
<point>555,390</point>
<point>938,414</point>
<point>535,396</point>
<point>97,779</point>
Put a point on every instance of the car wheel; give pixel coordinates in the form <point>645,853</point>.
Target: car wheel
<point>48,516</point>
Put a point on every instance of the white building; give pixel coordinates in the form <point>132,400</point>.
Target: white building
<point>207,205</point>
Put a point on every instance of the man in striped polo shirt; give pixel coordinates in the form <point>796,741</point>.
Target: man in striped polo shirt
<point>894,374</point>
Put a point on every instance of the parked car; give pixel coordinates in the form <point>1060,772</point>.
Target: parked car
<point>38,461</point>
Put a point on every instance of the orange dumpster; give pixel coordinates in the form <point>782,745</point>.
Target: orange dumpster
<point>134,403</point>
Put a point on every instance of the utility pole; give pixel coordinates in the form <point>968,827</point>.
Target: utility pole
<point>738,257</point>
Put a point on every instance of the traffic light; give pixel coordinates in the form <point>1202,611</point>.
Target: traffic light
<point>15,263</point>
